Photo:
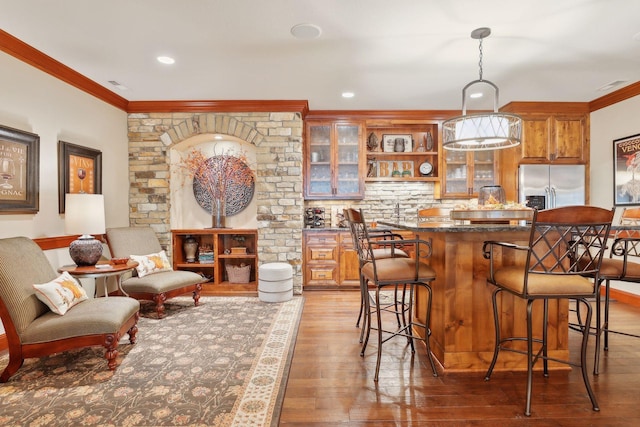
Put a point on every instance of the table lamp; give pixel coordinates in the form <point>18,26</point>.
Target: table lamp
<point>84,215</point>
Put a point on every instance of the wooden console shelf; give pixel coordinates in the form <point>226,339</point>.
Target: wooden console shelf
<point>224,244</point>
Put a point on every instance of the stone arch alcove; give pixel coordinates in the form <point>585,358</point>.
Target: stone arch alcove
<point>276,139</point>
<point>185,211</point>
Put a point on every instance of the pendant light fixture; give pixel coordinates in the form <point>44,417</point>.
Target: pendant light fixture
<point>481,131</point>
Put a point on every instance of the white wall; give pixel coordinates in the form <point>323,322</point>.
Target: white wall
<point>608,124</point>
<point>33,101</point>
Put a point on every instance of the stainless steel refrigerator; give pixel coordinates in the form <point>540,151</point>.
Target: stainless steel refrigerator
<point>551,186</point>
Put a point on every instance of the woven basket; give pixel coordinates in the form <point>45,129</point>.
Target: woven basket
<point>238,274</point>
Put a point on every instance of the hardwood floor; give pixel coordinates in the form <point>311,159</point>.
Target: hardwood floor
<point>331,385</point>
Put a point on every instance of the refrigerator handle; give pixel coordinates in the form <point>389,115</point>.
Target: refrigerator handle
<point>553,196</point>
<point>548,200</point>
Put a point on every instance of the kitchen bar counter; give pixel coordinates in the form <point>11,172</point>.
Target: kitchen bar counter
<point>462,331</point>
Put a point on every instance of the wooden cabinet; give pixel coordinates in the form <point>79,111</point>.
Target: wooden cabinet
<point>466,172</point>
<point>331,261</point>
<point>333,161</point>
<point>552,133</point>
<point>219,251</point>
<point>349,264</point>
<point>554,139</point>
<point>397,149</point>
<point>320,259</point>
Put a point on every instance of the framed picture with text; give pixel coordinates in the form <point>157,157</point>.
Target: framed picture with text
<point>79,171</point>
<point>19,171</point>
<point>626,174</point>
<point>397,143</point>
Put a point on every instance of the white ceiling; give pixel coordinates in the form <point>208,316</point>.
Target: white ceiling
<point>395,55</point>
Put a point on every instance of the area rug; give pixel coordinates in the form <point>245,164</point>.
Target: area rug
<point>223,363</point>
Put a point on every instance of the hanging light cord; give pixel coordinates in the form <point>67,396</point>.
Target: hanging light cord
<point>480,62</point>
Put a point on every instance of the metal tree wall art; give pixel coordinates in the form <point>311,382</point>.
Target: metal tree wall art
<point>222,184</point>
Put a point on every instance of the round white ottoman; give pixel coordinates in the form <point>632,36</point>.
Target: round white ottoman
<point>275,282</point>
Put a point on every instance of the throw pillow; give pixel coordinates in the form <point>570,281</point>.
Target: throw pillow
<point>61,294</point>
<point>152,263</point>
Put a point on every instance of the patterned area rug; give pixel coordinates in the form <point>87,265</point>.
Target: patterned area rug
<point>224,363</point>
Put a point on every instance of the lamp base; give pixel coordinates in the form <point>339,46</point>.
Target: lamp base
<point>85,250</point>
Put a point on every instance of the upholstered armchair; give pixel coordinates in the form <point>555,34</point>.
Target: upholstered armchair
<point>159,282</point>
<point>33,329</point>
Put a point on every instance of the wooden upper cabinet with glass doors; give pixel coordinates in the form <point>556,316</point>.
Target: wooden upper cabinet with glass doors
<point>333,160</point>
<point>466,172</point>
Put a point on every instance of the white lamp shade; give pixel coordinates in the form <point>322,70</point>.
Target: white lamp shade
<point>84,214</point>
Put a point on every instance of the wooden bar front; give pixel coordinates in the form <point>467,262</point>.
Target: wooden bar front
<point>462,326</point>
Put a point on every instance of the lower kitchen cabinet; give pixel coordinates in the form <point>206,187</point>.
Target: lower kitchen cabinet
<point>320,259</point>
<point>330,260</point>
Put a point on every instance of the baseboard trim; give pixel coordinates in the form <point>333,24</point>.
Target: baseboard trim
<point>622,296</point>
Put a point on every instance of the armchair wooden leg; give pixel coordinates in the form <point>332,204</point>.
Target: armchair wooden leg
<point>159,299</point>
<point>196,294</point>
<point>15,362</point>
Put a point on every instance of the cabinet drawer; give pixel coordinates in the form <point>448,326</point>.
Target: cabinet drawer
<point>322,275</point>
<point>322,239</point>
<point>321,253</point>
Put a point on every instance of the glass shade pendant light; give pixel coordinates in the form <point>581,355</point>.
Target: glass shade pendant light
<point>481,131</point>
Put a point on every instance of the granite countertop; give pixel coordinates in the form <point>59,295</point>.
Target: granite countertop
<point>453,227</point>
<point>438,227</point>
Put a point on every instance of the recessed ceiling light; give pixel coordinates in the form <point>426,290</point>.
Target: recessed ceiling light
<point>217,137</point>
<point>348,94</point>
<point>476,95</point>
<point>166,60</point>
<point>306,31</point>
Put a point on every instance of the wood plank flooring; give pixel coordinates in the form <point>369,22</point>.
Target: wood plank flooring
<point>331,385</point>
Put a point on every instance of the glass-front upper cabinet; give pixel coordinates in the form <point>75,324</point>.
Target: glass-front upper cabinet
<point>466,172</point>
<point>334,164</point>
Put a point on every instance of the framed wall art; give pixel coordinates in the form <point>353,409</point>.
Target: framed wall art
<point>397,143</point>
<point>79,171</point>
<point>626,173</point>
<point>19,171</point>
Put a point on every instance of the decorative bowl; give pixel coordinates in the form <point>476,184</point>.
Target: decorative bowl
<point>118,261</point>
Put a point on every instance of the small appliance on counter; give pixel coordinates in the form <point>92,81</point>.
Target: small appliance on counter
<point>314,218</point>
<point>491,195</point>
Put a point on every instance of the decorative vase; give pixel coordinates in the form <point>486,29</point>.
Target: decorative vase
<point>190,247</point>
<point>218,212</point>
<point>429,141</point>
<point>398,145</point>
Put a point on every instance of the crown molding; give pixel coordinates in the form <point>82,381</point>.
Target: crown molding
<point>24,52</point>
<point>242,106</point>
<point>614,97</point>
<point>39,60</point>
<point>546,107</point>
<point>383,114</point>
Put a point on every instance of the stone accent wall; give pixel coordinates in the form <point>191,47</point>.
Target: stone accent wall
<point>382,198</point>
<point>278,141</point>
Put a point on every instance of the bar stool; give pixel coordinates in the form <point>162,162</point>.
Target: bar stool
<point>561,261</point>
<point>624,267</point>
<point>380,252</point>
<point>402,275</point>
